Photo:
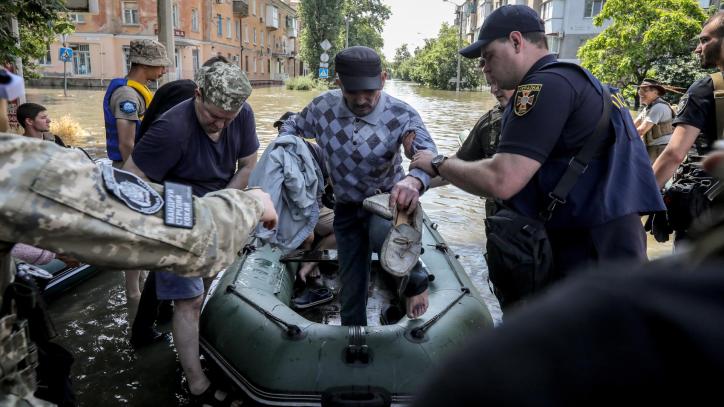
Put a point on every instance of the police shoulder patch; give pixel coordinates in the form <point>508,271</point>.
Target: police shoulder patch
<point>131,190</point>
<point>682,104</point>
<point>128,106</point>
<point>525,98</point>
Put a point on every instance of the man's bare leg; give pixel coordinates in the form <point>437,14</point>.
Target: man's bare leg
<point>133,283</point>
<point>310,268</point>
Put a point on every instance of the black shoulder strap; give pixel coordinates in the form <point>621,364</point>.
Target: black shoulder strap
<point>579,163</point>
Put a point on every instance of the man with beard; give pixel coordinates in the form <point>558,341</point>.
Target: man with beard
<point>696,120</point>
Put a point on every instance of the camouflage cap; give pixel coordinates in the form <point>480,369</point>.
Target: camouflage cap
<point>149,52</point>
<point>223,85</point>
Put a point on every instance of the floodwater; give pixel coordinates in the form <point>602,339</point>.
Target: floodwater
<point>93,322</point>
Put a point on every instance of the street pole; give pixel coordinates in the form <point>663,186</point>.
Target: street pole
<point>64,37</point>
<point>460,45</point>
<point>18,60</point>
<point>164,11</point>
<point>346,31</point>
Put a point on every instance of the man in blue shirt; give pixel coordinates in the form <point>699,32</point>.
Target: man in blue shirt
<point>553,113</point>
<point>208,142</point>
<point>360,129</point>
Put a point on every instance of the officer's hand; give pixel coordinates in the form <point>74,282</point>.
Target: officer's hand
<point>658,225</point>
<point>269,218</point>
<point>405,194</point>
<point>69,261</point>
<point>407,140</point>
<point>423,161</point>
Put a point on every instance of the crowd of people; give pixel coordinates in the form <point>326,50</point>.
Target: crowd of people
<point>566,171</point>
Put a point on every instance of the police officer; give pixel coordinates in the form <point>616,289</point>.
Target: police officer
<point>554,111</point>
<point>654,121</point>
<point>51,198</point>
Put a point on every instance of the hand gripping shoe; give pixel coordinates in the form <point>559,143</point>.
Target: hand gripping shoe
<point>379,205</point>
<point>403,245</point>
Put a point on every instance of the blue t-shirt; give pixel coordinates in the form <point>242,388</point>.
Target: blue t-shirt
<point>176,148</point>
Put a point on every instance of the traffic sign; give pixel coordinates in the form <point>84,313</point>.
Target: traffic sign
<point>325,45</point>
<point>323,73</point>
<point>323,65</point>
<point>66,54</point>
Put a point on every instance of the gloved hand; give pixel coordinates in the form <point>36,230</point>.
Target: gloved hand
<point>658,225</point>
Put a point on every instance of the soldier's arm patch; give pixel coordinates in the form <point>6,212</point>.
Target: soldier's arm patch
<point>525,98</point>
<point>131,190</point>
<point>128,106</point>
<point>682,104</point>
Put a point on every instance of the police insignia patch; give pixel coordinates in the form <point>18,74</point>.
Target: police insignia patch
<point>128,106</point>
<point>525,98</point>
<point>131,190</point>
<point>682,104</point>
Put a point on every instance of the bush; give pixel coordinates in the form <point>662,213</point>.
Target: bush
<point>306,83</point>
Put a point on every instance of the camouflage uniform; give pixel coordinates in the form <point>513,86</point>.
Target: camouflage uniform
<point>223,85</point>
<point>51,198</point>
<point>482,142</point>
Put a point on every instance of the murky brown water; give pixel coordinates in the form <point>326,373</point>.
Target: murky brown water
<point>93,320</point>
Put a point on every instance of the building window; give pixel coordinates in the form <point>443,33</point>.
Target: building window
<point>238,29</point>
<point>194,20</point>
<point>592,8</point>
<point>254,61</point>
<point>175,17</point>
<point>195,60</point>
<point>81,59</point>
<point>255,37</point>
<point>261,39</point>
<point>253,7</point>
<point>546,12</point>
<point>246,64</point>
<point>219,25</point>
<point>77,18</point>
<point>246,34</point>
<point>130,12</point>
<point>126,58</point>
<point>45,60</point>
<point>554,44</point>
<point>228,27</point>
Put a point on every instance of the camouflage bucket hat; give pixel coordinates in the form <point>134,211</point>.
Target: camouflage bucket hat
<point>149,52</point>
<point>223,85</point>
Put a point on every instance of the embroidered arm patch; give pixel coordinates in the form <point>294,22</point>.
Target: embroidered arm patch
<point>128,106</point>
<point>525,98</point>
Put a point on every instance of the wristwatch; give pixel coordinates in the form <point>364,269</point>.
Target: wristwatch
<point>437,162</point>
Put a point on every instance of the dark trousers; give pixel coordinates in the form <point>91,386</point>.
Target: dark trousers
<point>358,234</point>
<point>147,308</point>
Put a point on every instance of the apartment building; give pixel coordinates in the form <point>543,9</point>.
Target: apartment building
<point>260,36</point>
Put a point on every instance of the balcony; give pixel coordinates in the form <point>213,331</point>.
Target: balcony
<point>291,27</point>
<point>241,8</point>
<point>272,18</point>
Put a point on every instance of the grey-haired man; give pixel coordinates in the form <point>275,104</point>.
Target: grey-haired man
<point>200,142</point>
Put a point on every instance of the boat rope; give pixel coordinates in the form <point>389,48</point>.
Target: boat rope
<point>292,331</point>
<point>419,332</point>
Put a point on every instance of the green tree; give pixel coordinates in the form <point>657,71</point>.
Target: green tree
<point>402,54</point>
<point>322,20</point>
<point>39,21</point>
<point>366,21</point>
<point>641,33</point>
<point>435,65</point>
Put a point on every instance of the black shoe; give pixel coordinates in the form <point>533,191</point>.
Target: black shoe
<point>312,296</point>
<point>391,314</point>
<point>154,336</point>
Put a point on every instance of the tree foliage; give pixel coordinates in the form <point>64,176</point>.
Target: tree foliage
<point>435,64</point>
<point>366,21</point>
<point>322,20</point>
<point>641,34</point>
<point>39,21</point>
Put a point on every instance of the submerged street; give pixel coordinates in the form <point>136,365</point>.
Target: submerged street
<point>92,320</point>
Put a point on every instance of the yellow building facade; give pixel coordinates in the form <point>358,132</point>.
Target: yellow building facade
<point>260,36</point>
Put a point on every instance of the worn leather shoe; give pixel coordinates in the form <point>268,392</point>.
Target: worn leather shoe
<point>403,245</point>
<point>379,205</point>
<point>312,296</point>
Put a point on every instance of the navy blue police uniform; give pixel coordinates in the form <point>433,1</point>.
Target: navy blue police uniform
<point>697,108</point>
<point>554,111</point>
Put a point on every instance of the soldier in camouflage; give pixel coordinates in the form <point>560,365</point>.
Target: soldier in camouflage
<point>51,198</point>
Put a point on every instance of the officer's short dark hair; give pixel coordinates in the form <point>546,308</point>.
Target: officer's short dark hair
<point>29,111</point>
<point>718,20</point>
<point>213,60</point>
<point>538,38</point>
